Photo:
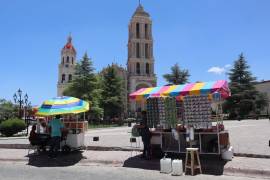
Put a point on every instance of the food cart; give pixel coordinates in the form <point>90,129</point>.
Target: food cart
<point>75,128</point>
<point>189,115</point>
<point>76,132</point>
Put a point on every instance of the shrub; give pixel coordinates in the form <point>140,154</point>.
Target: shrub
<point>12,126</point>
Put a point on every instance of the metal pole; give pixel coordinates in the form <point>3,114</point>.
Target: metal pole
<point>20,110</point>
<point>26,119</point>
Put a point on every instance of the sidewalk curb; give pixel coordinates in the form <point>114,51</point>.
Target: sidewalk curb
<point>246,172</point>
<point>105,148</point>
<point>114,162</point>
<point>92,148</point>
<point>251,155</point>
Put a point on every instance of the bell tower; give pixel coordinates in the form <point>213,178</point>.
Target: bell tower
<point>66,68</point>
<point>140,63</point>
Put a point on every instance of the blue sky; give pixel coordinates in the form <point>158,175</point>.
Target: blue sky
<point>200,35</point>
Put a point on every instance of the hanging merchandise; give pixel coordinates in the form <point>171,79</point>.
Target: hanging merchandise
<point>197,111</point>
<point>161,111</point>
<point>179,111</point>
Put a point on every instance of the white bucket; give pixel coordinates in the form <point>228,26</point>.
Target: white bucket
<point>228,154</point>
<point>177,167</point>
<point>166,165</point>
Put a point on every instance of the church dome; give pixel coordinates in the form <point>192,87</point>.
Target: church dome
<point>69,45</point>
<point>140,12</point>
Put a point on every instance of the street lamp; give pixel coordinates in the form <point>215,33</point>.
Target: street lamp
<point>23,104</point>
<point>18,99</point>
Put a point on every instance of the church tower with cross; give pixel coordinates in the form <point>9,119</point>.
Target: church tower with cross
<point>66,67</point>
<point>140,63</point>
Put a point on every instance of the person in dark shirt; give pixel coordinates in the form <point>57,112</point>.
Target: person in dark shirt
<point>146,136</point>
<point>36,139</point>
<point>33,136</point>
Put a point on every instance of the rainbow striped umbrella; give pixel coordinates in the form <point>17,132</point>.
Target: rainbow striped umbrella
<point>62,105</point>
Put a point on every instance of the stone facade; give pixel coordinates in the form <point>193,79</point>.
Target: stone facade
<point>264,87</point>
<point>140,63</point>
<point>66,68</point>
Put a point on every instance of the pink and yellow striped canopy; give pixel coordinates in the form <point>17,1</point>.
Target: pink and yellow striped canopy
<point>201,88</point>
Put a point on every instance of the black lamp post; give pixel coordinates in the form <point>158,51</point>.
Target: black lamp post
<point>23,104</point>
<point>19,99</point>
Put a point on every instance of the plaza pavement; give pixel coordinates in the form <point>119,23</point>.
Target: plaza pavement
<point>246,136</point>
<point>94,172</point>
<point>242,167</point>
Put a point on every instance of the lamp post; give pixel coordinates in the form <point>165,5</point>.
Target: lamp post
<point>18,99</point>
<point>23,104</point>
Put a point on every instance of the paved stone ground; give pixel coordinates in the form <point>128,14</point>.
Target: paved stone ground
<point>248,167</point>
<point>247,136</point>
<point>81,172</point>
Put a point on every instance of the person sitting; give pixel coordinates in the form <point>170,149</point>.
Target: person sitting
<point>33,136</point>
<point>36,139</point>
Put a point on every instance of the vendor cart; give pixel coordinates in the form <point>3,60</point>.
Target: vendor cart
<point>189,115</point>
<point>75,128</point>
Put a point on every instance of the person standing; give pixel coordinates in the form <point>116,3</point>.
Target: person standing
<point>146,135</point>
<point>56,127</point>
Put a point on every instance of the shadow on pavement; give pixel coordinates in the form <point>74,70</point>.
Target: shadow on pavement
<point>138,162</point>
<point>42,159</point>
<point>211,165</point>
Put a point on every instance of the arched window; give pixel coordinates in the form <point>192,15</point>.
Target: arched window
<point>63,60</point>
<point>146,50</point>
<point>138,70</point>
<point>146,31</point>
<point>69,77</point>
<point>67,59</point>
<point>138,50</point>
<point>147,68</point>
<point>72,61</point>
<point>63,77</point>
<point>137,30</point>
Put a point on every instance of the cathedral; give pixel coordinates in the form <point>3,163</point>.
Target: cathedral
<point>139,72</point>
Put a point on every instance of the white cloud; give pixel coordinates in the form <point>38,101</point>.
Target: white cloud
<point>227,66</point>
<point>216,70</point>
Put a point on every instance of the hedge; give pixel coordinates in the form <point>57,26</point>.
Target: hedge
<point>12,126</point>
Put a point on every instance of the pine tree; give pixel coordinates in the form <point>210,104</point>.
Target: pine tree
<point>244,97</point>
<point>177,75</point>
<point>85,86</point>
<point>112,101</point>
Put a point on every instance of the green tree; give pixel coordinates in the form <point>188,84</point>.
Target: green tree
<point>85,86</point>
<point>177,76</point>
<point>7,109</point>
<point>243,99</point>
<point>112,101</point>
